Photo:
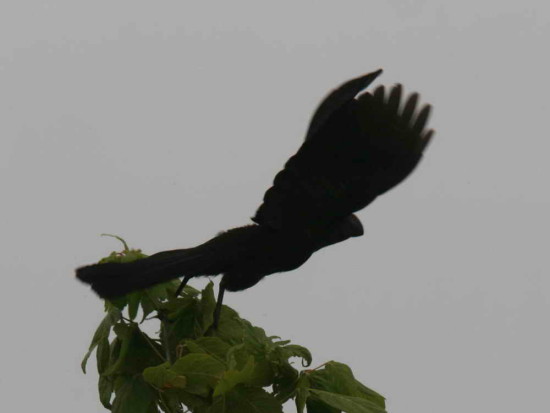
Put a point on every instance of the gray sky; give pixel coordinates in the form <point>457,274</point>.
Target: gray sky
<point>165,122</point>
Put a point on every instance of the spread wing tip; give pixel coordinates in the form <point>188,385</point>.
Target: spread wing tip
<point>427,138</point>
<point>338,98</point>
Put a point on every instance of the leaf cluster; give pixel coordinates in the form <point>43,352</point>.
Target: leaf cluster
<point>190,367</point>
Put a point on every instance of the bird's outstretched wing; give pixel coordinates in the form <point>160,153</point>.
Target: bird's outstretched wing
<point>356,149</point>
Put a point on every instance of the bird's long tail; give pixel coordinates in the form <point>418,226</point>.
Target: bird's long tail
<point>214,257</point>
<point>112,280</point>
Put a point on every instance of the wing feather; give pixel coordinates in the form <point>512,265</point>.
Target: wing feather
<point>356,149</point>
<point>337,98</point>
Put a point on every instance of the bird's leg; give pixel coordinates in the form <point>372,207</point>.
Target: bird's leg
<point>183,284</point>
<point>219,301</point>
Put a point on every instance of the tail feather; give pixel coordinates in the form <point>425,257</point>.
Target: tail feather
<point>111,280</point>
<point>218,255</point>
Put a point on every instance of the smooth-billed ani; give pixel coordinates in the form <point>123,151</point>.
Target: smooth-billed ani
<point>356,148</point>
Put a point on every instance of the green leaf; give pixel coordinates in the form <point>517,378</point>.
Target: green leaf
<point>202,372</point>
<point>263,373</point>
<point>348,404</point>
<point>131,256</point>
<point>285,382</point>
<point>124,336</point>
<point>294,350</point>
<point>212,346</point>
<point>174,307</point>
<point>134,300</point>
<point>193,403</point>
<point>114,351</point>
<point>236,356</point>
<point>206,308</point>
<point>137,351</point>
<point>162,377</point>
<point>338,378</point>
<point>133,395</point>
<point>112,257</point>
<point>152,298</point>
<point>147,307</point>
<point>316,406</point>
<point>101,333</point>
<point>105,387</point>
<point>246,399</point>
<point>233,377</point>
<point>302,392</point>
<point>255,338</point>
<point>182,321</point>
<point>279,341</point>
<point>230,328</point>
<point>171,402</point>
<point>103,355</point>
<point>371,394</point>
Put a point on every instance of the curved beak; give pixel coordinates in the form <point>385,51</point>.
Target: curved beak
<point>355,226</point>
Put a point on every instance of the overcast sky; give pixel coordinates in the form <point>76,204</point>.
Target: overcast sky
<point>164,122</point>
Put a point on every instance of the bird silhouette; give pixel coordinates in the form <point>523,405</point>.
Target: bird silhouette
<point>358,146</point>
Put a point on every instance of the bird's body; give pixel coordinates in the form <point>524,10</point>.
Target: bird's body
<point>244,255</point>
<point>355,150</point>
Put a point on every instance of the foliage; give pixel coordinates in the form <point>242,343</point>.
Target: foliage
<point>191,367</point>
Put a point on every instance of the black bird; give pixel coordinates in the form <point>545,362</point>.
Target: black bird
<point>356,148</point>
